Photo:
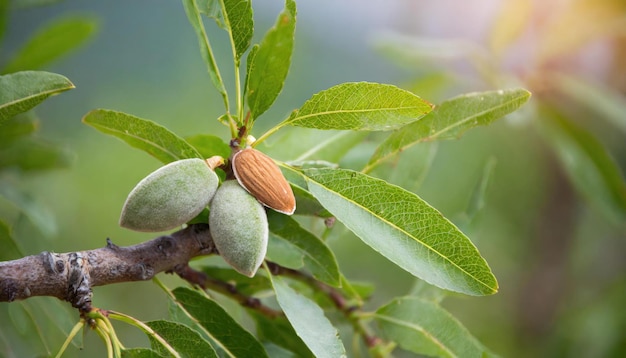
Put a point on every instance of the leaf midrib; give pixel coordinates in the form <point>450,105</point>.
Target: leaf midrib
<point>417,328</point>
<point>408,235</point>
<point>364,110</point>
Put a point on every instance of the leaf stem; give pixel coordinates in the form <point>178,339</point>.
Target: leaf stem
<point>269,133</point>
<point>144,327</point>
<point>70,337</point>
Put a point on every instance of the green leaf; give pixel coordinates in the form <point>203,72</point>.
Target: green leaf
<point>477,201</point>
<point>193,14</point>
<point>37,213</point>
<point>308,319</point>
<point>24,90</point>
<point>306,204</point>
<point>30,154</point>
<point>235,340</point>
<point>591,169</point>
<point>244,284</point>
<point>238,17</point>
<point>10,250</point>
<point>403,228</point>
<point>423,327</point>
<point>143,134</point>
<point>360,106</point>
<point>268,68</point>
<point>278,331</point>
<point>209,145</point>
<point>4,12</point>
<point>52,42</point>
<point>607,102</point>
<point>318,258</point>
<point>140,353</point>
<point>17,127</point>
<point>451,119</point>
<point>186,341</point>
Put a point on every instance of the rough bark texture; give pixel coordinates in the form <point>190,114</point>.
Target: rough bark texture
<point>70,276</point>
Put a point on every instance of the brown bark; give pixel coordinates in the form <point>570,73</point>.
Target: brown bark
<point>70,276</point>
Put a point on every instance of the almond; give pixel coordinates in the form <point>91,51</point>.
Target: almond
<point>261,177</point>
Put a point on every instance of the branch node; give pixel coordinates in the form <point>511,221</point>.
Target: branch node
<point>79,282</point>
<point>111,245</point>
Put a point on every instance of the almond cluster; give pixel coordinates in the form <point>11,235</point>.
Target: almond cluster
<point>177,192</point>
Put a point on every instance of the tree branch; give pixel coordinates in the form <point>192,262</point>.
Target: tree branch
<point>70,276</point>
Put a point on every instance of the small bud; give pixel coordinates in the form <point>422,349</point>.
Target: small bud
<point>239,228</point>
<point>261,177</point>
<point>170,196</point>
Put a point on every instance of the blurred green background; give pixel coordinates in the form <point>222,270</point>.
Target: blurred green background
<point>560,260</point>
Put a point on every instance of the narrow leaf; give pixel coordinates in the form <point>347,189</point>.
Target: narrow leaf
<point>423,327</point>
<point>278,331</point>
<point>193,14</point>
<point>403,228</point>
<point>209,145</point>
<point>186,341</point>
<point>591,169</point>
<point>268,68</point>
<point>24,90</point>
<point>360,106</point>
<point>219,324</point>
<point>143,134</point>
<point>308,319</point>
<point>51,42</point>
<point>37,213</point>
<point>238,16</point>
<point>17,127</point>
<point>607,102</point>
<point>451,119</point>
<point>32,154</point>
<point>318,258</point>
<point>10,250</point>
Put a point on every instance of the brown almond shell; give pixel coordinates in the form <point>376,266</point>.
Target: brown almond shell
<point>261,177</point>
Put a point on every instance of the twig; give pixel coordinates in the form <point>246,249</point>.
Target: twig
<point>71,276</point>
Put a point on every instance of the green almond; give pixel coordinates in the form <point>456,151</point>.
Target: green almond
<point>239,228</point>
<point>170,196</point>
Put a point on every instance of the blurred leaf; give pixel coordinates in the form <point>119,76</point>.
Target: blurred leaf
<point>244,284</point>
<point>32,3</point>
<point>410,50</point>
<point>280,332</point>
<point>37,213</point>
<point>306,204</point>
<point>425,291</point>
<point>276,351</point>
<point>52,42</point>
<point>403,228</point>
<point>140,353</point>
<point>30,154</point>
<point>24,90</point>
<point>4,15</point>
<point>451,119</point>
<point>510,24</point>
<point>477,201</point>
<point>143,134</point>
<point>424,327</point>
<point>209,145</point>
<point>270,64</point>
<point>409,168</point>
<point>360,106</point>
<point>239,17</point>
<point>318,258</point>
<point>334,147</point>
<point>17,127</point>
<point>193,14</point>
<point>10,250</point>
<point>309,322</point>
<point>211,8</point>
<point>577,24</point>
<point>235,340</point>
<point>186,341</point>
<point>589,166</point>
<point>609,103</point>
